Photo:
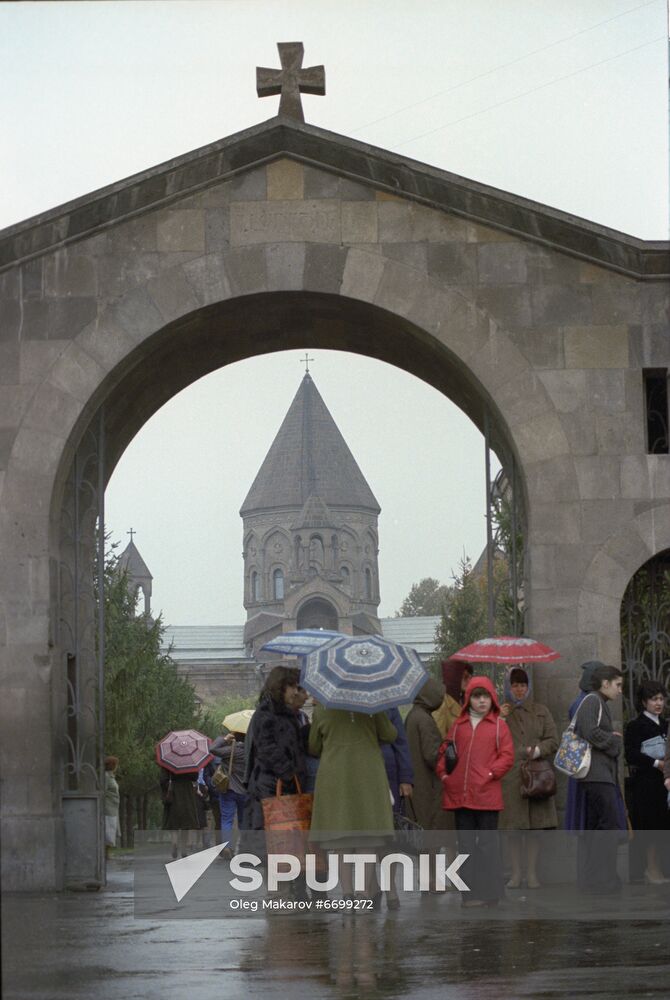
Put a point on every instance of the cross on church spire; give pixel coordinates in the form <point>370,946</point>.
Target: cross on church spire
<point>305,361</point>
<point>131,533</point>
<point>291,80</point>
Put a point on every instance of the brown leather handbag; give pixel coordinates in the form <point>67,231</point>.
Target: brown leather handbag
<point>538,779</point>
<point>287,821</point>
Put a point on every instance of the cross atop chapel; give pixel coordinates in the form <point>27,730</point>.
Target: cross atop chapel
<point>291,80</point>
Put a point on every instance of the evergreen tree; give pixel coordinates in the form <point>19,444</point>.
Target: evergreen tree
<point>464,618</point>
<point>144,697</point>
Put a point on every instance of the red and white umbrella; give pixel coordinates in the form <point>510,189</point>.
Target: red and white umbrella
<point>507,649</point>
<point>183,751</point>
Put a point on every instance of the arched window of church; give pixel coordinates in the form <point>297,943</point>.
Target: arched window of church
<point>278,584</point>
<point>316,551</point>
<point>346,578</point>
<point>255,586</point>
<point>368,584</point>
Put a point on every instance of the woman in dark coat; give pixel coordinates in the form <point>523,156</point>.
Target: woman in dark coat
<point>648,797</point>
<point>180,809</point>
<point>278,748</point>
<point>398,762</point>
<point>400,774</point>
<point>424,740</point>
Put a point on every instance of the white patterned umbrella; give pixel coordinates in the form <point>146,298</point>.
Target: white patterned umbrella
<point>363,674</point>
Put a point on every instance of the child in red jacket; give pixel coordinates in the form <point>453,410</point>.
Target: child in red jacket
<point>473,790</point>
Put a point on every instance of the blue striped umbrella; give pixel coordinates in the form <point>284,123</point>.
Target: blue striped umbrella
<point>302,642</point>
<point>363,674</point>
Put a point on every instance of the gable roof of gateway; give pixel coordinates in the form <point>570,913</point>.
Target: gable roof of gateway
<point>383,170</point>
<point>309,458</point>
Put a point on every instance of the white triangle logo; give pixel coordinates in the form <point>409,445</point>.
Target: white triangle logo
<point>183,874</point>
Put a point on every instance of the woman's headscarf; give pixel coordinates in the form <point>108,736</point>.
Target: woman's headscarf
<point>507,686</point>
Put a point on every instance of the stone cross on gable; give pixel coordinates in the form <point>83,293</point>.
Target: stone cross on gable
<point>291,80</point>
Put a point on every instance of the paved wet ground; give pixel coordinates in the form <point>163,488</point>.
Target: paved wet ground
<point>81,945</point>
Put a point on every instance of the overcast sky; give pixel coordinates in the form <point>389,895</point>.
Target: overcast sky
<point>564,103</point>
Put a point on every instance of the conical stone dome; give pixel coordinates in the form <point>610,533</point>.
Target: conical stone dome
<point>309,457</point>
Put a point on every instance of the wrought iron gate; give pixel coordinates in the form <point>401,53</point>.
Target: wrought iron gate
<point>645,628</point>
<point>81,629</point>
<point>504,546</point>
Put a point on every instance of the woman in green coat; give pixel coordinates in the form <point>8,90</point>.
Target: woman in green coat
<point>534,733</point>
<point>351,794</point>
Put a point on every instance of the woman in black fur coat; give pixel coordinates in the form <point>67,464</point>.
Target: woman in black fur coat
<point>648,797</point>
<point>279,743</point>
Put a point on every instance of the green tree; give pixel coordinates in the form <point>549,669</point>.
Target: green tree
<point>428,597</point>
<point>144,699</point>
<point>509,606</point>
<point>464,617</point>
<point>219,708</point>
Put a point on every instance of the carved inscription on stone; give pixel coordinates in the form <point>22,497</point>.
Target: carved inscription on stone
<point>284,221</point>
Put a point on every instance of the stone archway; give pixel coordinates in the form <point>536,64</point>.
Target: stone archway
<point>277,238</point>
<point>181,352</point>
<point>608,593</point>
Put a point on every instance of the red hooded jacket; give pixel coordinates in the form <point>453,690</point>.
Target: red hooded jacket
<point>485,754</point>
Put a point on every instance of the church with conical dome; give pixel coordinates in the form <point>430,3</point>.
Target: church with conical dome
<point>310,531</point>
<point>310,545</point>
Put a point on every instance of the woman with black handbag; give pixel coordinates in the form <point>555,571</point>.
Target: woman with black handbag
<point>528,789</point>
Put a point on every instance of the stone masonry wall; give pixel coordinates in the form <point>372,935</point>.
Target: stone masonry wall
<point>554,344</point>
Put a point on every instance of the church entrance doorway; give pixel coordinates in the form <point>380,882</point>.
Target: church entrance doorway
<point>317,614</point>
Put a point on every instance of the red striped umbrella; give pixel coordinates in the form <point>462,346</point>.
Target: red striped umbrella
<point>183,751</point>
<point>507,649</point>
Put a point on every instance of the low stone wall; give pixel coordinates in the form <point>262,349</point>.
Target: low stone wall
<point>216,680</point>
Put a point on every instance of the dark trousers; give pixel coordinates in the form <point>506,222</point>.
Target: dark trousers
<point>602,835</point>
<point>476,830</point>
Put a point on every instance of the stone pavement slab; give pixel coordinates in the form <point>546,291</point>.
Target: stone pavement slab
<point>81,945</point>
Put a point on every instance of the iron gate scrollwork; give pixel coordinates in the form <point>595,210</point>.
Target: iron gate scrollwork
<point>645,628</point>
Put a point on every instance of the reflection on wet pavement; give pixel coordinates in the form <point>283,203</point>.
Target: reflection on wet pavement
<point>89,945</point>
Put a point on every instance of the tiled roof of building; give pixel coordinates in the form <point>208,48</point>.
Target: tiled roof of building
<point>419,633</point>
<point>225,643</point>
<point>205,642</point>
<point>308,457</point>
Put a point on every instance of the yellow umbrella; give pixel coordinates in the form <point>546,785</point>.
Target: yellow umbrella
<point>238,722</point>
